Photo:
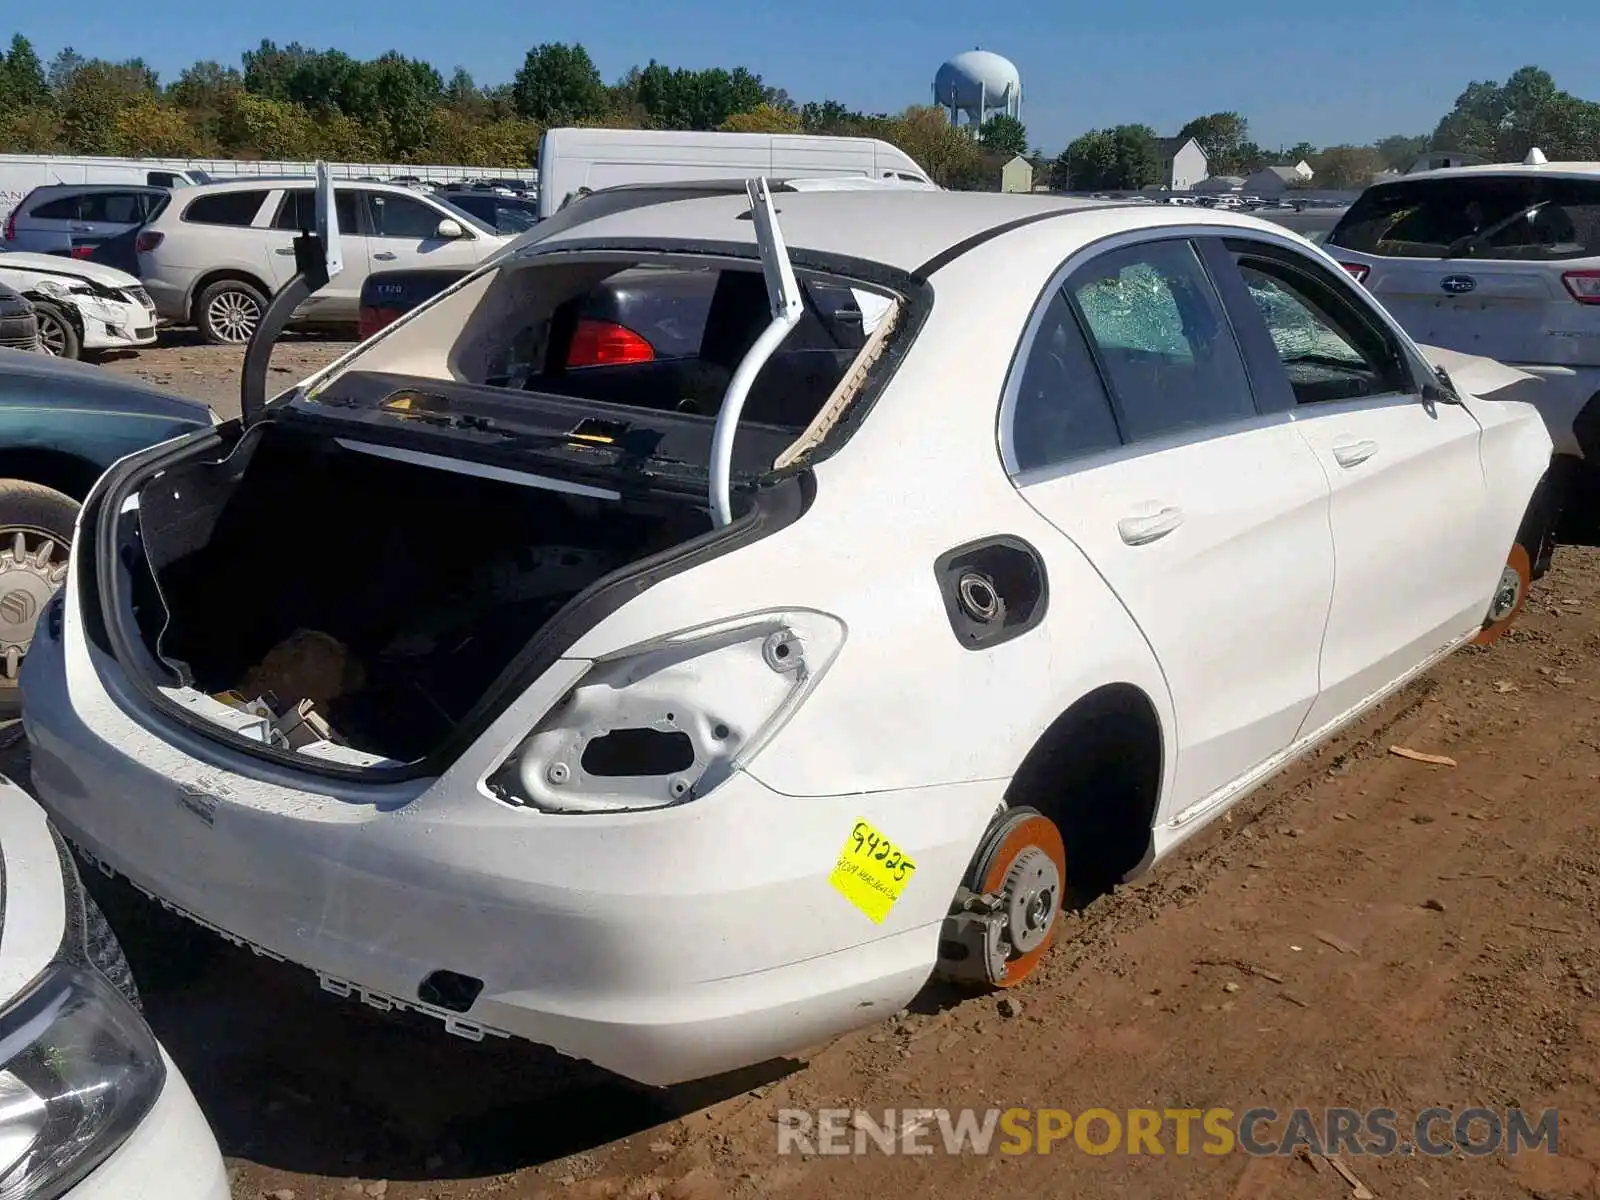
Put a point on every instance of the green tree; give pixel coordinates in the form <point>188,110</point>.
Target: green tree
<point>149,128</point>
<point>1346,166</point>
<point>558,85</point>
<point>1223,136</point>
<point>62,68</point>
<point>1004,136</point>
<point>1122,158</point>
<point>676,98</point>
<point>22,78</point>
<point>763,118</point>
<point>1400,150</point>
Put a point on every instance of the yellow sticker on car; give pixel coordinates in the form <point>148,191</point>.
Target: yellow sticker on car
<point>872,871</point>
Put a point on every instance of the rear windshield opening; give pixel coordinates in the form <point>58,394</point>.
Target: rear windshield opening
<point>1526,218</point>
<point>663,338</point>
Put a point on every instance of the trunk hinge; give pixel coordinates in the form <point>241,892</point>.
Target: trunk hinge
<point>783,293</point>
<point>317,259</point>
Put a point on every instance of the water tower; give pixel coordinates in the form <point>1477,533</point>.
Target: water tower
<point>980,84</point>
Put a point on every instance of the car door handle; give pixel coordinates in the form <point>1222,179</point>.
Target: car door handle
<point>288,250</point>
<point>83,229</point>
<point>384,256</point>
<point>1353,454</point>
<point>1137,531</point>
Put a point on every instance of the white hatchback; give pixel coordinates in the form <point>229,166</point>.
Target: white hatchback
<point>682,709</point>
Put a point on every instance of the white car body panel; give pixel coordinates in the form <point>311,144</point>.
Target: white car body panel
<point>107,323</point>
<point>628,937</point>
<point>172,1155</point>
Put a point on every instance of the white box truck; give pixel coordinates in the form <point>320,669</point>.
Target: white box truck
<point>575,160</point>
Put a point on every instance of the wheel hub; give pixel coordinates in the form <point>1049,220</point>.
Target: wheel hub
<point>1033,897</point>
<point>27,581</point>
<point>234,316</point>
<point>1506,595</point>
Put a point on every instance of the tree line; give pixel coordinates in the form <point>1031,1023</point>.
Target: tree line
<point>1497,122</point>
<point>297,102</point>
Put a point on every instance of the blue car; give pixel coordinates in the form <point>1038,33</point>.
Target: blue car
<point>62,423</point>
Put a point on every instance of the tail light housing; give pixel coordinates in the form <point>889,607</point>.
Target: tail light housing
<point>11,226</point>
<point>82,251</point>
<point>1584,286</point>
<point>147,241</point>
<point>374,318</point>
<point>605,343</point>
<point>1357,272</point>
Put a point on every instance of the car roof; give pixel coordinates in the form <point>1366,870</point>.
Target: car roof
<point>97,187</point>
<point>271,182</point>
<point>907,230</point>
<point>1561,170</point>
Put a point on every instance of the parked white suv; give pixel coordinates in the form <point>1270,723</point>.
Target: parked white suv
<point>1500,260</point>
<point>217,253</point>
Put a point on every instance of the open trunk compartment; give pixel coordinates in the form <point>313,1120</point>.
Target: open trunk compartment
<point>386,595</point>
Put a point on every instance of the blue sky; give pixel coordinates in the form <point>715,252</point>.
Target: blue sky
<point>1322,71</point>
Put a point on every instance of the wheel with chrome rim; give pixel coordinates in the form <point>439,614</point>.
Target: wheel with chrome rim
<point>58,337</point>
<point>229,312</point>
<point>35,538</point>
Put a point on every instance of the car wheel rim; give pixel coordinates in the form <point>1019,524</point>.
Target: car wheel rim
<point>233,316</point>
<point>52,337</point>
<point>33,566</point>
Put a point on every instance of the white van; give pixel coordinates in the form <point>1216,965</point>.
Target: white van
<point>21,173</point>
<point>571,160</point>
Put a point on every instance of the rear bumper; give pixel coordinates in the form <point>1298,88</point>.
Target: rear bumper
<point>171,300</point>
<point>664,946</point>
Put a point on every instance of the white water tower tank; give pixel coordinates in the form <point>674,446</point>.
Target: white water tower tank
<point>980,84</point>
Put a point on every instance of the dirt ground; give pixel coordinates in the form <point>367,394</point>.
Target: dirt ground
<point>1367,931</point>
<point>185,364</point>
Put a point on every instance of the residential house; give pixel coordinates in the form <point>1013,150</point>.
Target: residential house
<point>1272,182</point>
<point>1017,175</point>
<point>1183,164</point>
<point>1219,185</point>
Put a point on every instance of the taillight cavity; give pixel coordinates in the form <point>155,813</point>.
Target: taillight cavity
<point>605,343</point>
<point>1584,286</point>
<point>148,241</point>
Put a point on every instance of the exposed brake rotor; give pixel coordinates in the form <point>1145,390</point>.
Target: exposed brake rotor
<point>1005,916</point>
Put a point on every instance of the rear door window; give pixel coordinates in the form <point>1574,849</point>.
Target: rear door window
<point>117,208</point>
<point>298,211</point>
<point>63,208</point>
<point>1525,218</point>
<point>225,208</point>
<point>1162,340</point>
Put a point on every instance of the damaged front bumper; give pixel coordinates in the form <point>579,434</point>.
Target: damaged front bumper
<point>114,324</point>
<point>664,945</point>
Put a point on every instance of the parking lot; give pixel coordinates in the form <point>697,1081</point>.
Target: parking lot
<point>1368,930</point>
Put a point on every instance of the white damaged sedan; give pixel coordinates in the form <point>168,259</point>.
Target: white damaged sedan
<point>91,1107</point>
<point>682,680</point>
<point>83,307</point>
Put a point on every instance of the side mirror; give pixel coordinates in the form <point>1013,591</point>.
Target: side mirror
<point>450,229</point>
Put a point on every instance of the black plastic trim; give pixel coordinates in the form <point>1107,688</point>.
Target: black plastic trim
<point>948,255</point>
<point>975,634</point>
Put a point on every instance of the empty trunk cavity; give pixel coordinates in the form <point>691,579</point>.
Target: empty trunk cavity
<point>347,597</point>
